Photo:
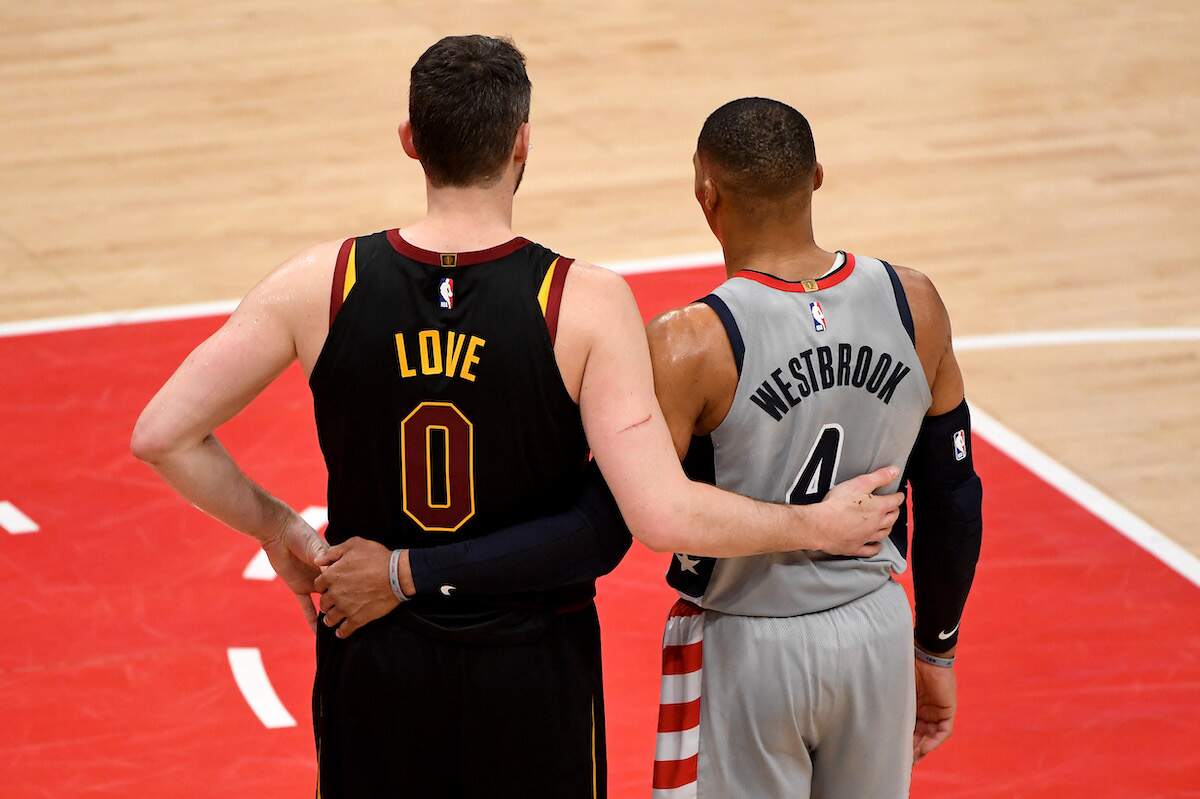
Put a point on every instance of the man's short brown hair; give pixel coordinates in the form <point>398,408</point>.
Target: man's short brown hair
<point>468,96</point>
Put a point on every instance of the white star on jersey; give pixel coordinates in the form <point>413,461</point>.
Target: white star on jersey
<point>687,564</point>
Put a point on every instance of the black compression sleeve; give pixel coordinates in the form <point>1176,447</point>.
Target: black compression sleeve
<point>947,499</point>
<point>582,543</point>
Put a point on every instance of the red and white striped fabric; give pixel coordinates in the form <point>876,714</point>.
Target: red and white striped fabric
<point>677,754</point>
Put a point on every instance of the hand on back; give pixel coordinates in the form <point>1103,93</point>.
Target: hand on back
<point>852,519</point>
<point>293,554</point>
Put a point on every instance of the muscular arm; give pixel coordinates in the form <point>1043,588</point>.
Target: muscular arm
<point>174,434</point>
<point>947,494</point>
<point>947,517</point>
<point>695,376</point>
<point>578,545</point>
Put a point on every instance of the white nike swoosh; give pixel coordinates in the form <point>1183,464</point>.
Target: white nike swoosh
<point>447,590</point>
<point>944,636</point>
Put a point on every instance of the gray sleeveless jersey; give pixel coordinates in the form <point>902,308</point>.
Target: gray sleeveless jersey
<point>829,387</point>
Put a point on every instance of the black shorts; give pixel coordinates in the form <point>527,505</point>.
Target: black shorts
<point>406,707</point>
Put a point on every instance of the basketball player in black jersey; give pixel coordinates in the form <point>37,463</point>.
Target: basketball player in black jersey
<point>460,375</point>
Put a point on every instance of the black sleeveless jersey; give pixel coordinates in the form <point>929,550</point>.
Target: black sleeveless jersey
<point>440,409</point>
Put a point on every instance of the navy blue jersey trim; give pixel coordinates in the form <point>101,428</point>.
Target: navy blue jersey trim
<point>901,302</point>
<point>731,329</point>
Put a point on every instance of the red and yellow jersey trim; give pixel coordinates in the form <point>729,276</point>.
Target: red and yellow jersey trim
<point>550,294</point>
<point>400,245</point>
<point>829,281</point>
<point>345,274</point>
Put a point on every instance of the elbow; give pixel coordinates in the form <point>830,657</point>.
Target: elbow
<point>149,443</point>
<point>656,531</point>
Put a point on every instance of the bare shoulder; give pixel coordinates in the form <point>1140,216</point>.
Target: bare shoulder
<point>301,278</point>
<point>930,317</point>
<point>598,302</point>
<point>295,297</point>
<point>690,336</point>
<point>590,282</point>
<point>931,323</point>
<point>694,369</point>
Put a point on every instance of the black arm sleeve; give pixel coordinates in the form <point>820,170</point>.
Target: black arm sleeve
<point>582,543</point>
<point>947,499</point>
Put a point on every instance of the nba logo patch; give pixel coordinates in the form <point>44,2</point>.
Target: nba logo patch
<point>818,316</point>
<point>960,446</point>
<point>446,293</point>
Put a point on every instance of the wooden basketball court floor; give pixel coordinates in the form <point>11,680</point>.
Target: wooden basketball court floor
<point>1039,161</point>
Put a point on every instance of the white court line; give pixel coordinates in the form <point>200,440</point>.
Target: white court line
<point>163,313</point>
<point>251,678</point>
<point>259,567</point>
<point>1057,338</point>
<point>1086,495</point>
<point>15,521</point>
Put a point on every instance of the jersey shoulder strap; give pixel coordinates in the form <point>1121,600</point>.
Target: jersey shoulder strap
<point>902,308</point>
<point>732,331</point>
<point>551,291</point>
<point>345,274</point>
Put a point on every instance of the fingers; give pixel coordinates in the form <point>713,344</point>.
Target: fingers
<point>331,554</point>
<point>316,550</point>
<point>347,629</point>
<point>334,617</point>
<point>868,483</point>
<point>928,736</point>
<point>327,602</point>
<point>328,575</point>
<point>868,550</point>
<point>310,613</point>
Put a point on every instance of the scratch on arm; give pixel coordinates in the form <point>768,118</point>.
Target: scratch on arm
<point>634,425</point>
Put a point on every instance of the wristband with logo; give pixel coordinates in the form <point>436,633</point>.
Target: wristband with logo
<point>932,660</point>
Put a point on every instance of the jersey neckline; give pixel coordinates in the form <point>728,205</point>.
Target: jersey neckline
<point>803,286</point>
<point>453,259</point>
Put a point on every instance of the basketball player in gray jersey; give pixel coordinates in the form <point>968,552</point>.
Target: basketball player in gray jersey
<point>792,674</point>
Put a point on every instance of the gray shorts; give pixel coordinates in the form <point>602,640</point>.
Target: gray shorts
<point>820,705</point>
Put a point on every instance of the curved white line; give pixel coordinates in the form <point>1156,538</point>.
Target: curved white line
<point>251,678</point>
<point>1055,338</point>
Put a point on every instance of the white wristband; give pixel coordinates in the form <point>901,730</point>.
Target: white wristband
<point>932,660</point>
<point>394,575</point>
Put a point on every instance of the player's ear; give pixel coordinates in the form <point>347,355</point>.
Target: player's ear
<point>522,144</point>
<point>818,176</point>
<point>708,195</point>
<point>406,140</point>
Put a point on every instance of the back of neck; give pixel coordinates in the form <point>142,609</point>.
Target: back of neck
<point>773,238</point>
<point>787,254</point>
<point>463,219</point>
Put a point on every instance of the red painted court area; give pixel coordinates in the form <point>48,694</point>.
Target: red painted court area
<point>1079,668</point>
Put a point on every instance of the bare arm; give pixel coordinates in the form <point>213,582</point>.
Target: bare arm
<point>174,434</point>
<point>634,448</point>
<point>935,345</point>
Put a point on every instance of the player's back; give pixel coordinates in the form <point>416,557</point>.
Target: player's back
<point>439,405</point>
<point>829,387</point>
